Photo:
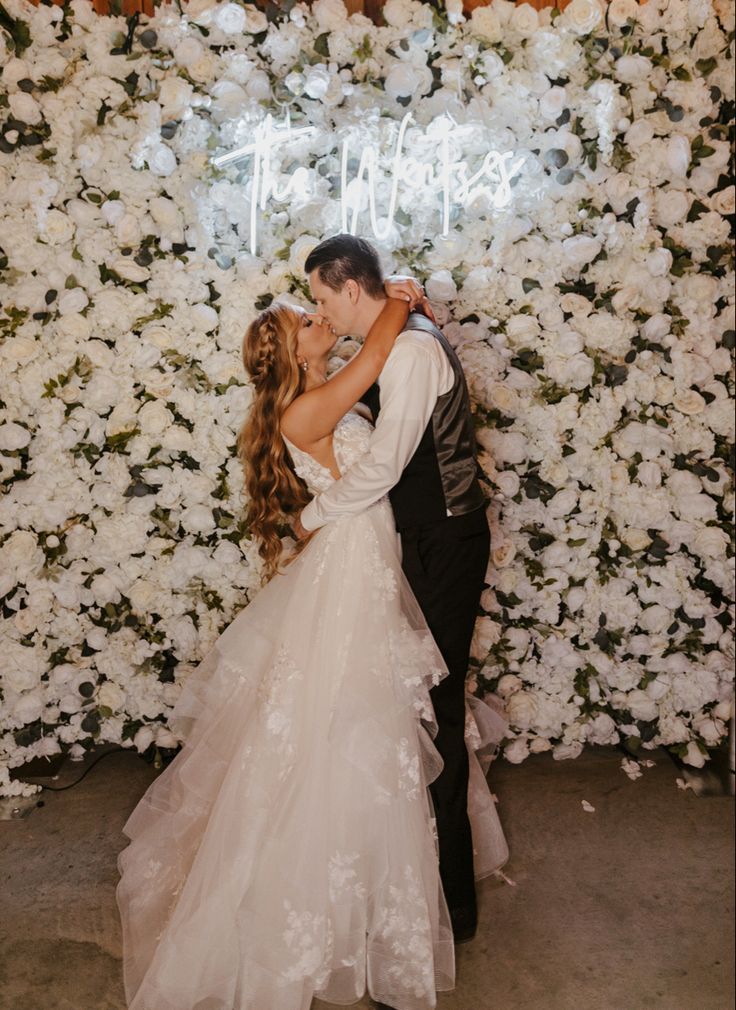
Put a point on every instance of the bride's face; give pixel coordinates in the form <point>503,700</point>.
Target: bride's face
<point>315,339</point>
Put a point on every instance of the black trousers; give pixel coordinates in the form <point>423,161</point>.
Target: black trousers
<point>445,564</point>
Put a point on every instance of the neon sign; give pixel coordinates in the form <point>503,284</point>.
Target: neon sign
<point>448,177</point>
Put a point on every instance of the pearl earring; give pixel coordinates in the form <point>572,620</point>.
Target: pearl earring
<point>304,365</point>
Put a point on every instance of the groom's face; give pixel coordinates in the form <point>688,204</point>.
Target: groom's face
<point>338,308</point>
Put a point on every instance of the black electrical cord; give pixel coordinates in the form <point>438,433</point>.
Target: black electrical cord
<point>60,789</point>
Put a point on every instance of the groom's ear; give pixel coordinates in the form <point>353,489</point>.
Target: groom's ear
<point>353,290</point>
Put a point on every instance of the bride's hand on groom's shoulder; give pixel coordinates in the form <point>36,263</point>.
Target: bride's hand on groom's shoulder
<point>407,288</point>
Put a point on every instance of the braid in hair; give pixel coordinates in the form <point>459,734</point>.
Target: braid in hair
<point>272,487</point>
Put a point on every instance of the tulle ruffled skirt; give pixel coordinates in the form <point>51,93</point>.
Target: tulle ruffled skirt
<point>289,849</point>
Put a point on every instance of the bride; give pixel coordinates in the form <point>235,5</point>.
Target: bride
<point>288,851</point>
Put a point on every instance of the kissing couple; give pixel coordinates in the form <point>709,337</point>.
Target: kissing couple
<point>322,828</point>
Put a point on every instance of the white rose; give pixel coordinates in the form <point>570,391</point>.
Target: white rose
<point>441,287</point>
<point>562,503</point>
<point>175,96</point>
<point>405,79</point>
<point>25,107</point>
<point>678,155</point>
<point>257,21</point>
<point>655,619</point>
<point>259,86</point>
<point>508,483</point>
<point>112,211</point>
<point>72,301</point>
<point>690,507</point>
<point>694,755</point>
<point>299,252</point>
<point>583,16</point>
<point>493,65</point>
<point>330,14</point>
<point>553,101</point>
<point>710,542</point>
<point>111,696</point>
<point>97,638</point>
<point>671,205</point>
<point>165,738</point>
<point>142,594</point>
<point>522,330</point>
<point>508,447</point>
<point>724,202</point>
<point>569,343</point>
<point>641,706</point>
<point>165,213</point>
<point>484,23</point>
<point>29,707</point>
<point>503,398</point>
<point>620,11</point>
<point>602,729</point>
<point>317,81</point>
<point>518,749</point>
<point>567,751</point>
<point>580,249</point>
<point>230,19</point>
<point>161,160</point>
<point>524,19</point>
<point>15,70</point>
<point>509,684</point>
<point>183,635</point>
<point>638,135</point>
<point>711,730</point>
<point>198,519</point>
<point>503,556</point>
<point>128,269</point>
<point>13,436</point>
<point>143,739</point>
<point>203,317</point>
<point>485,635</point>
<point>632,69</point>
<point>689,402</point>
<point>128,230</point>
<point>154,418</point>
<point>57,227</point>
<point>658,262</point>
<point>636,539</point>
<point>188,51</point>
<point>521,709</point>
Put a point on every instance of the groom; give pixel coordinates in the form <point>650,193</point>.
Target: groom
<point>422,453</point>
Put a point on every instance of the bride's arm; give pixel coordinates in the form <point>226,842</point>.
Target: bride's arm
<point>313,415</point>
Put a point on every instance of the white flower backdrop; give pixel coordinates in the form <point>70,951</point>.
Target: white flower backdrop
<point>562,188</point>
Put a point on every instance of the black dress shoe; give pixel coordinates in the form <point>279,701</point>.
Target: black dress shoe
<point>464,923</point>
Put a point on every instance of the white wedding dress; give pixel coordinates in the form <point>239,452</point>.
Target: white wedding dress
<point>289,851</point>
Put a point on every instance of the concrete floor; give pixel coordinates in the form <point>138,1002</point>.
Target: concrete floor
<point>626,908</point>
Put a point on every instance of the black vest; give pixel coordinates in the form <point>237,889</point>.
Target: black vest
<point>442,475</point>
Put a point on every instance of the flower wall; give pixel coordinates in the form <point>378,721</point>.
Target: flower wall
<point>560,182</point>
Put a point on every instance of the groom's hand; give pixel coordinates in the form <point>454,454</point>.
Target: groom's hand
<point>299,532</point>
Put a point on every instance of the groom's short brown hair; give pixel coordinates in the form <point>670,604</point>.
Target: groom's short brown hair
<point>347,257</point>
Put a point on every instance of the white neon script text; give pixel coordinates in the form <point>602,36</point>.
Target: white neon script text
<point>448,177</point>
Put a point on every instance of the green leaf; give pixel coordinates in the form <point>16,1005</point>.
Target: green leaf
<point>321,44</point>
<point>17,29</point>
<point>707,66</point>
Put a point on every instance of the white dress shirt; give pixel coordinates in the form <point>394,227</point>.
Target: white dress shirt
<point>416,373</point>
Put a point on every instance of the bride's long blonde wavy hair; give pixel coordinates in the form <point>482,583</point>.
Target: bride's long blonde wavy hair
<point>274,490</point>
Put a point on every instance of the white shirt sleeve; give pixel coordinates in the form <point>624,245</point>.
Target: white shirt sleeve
<point>416,372</point>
